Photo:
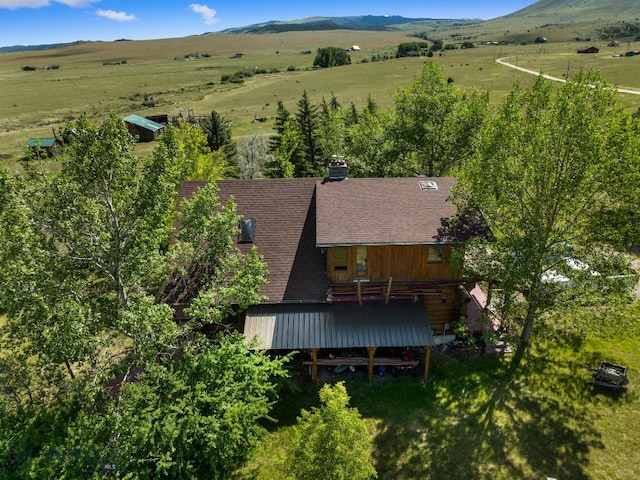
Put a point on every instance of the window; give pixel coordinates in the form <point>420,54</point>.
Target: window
<point>340,258</point>
<point>435,254</point>
<point>361,262</point>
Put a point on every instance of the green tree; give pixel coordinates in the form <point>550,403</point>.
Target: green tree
<point>186,145</point>
<point>281,118</point>
<point>194,413</point>
<point>307,123</point>
<point>412,48</point>
<point>435,123</point>
<point>331,441</point>
<point>87,273</point>
<point>540,178</point>
<point>332,132</point>
<point>327,57</point>
<point>218,132</point>
<point>286,153</point>
<point>369,149</point>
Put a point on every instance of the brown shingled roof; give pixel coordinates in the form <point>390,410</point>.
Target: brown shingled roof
<point>382,211</point>
<point>285,230</point>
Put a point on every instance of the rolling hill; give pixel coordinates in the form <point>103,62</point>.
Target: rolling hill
<point>558,19</point>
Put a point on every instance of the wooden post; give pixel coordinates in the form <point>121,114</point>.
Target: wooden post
<point>359,294</point>
<point>371,350</point>
<point>314,365</point>
<point>427,357</point>
<point>386,300</point>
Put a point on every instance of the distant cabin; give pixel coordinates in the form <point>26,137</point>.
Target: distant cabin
<point>589,50</point>
<point>49,145</point>
<point>144,129</point>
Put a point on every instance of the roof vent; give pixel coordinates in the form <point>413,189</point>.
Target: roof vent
<point>337,168</point>
<point>247,231</point>
<point>427,185</point>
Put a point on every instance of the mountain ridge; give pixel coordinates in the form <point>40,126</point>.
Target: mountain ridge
<point>597,17</point>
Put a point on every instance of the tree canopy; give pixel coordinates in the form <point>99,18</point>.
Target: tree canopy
<point>539,175</point>
<point>327,57</point>
<point>331,441</point>
<point>92,360</point>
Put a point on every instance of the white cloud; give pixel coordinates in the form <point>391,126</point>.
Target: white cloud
<point>77,3</point>
<point>118,16</point>
<point>208,14</point>
<point>15,4</point>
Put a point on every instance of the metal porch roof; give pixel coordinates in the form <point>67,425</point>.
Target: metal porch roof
<point>340,325</point>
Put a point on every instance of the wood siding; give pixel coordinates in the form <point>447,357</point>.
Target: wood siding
<point>401,262</point>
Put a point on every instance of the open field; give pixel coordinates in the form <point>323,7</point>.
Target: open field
<point>34,102</point>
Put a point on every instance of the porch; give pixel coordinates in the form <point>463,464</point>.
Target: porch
<point>315,328</point>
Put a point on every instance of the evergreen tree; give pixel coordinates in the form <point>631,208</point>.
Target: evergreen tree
<point>218,131</point>
<point>307,122</point>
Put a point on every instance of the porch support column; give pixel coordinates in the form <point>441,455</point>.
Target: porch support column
<point>427,357</point>
<point>314,365</point>
<point>371,350</point>
<point>386,300</point>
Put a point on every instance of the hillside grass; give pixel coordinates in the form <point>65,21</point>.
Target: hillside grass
<point>32,104</point>
<point>475,418</point>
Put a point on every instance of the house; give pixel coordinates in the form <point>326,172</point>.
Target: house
<point>144,129</point>
<point>355,265</point>
<point>50,145</point>
<point>589,50</point>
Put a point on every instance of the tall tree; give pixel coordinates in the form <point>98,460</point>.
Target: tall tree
<point>369,147</point>
<point>218,131</point>
<point>286,153</point>
<point>332,131</point>
<point>435,123</point>
<point>282,116</point>
<point>540,178</point>
<point>307,123</point>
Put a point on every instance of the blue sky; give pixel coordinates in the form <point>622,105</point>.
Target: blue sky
<point>34,22</point>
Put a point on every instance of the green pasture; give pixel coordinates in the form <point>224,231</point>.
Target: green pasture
<point>32,103</point>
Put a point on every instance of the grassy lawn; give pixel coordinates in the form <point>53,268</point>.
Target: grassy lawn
<point>476,419</point>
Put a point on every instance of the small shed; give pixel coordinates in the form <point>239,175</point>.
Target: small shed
<point>589,50</point>
<point>48,145</point>
<point>144,129</point>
